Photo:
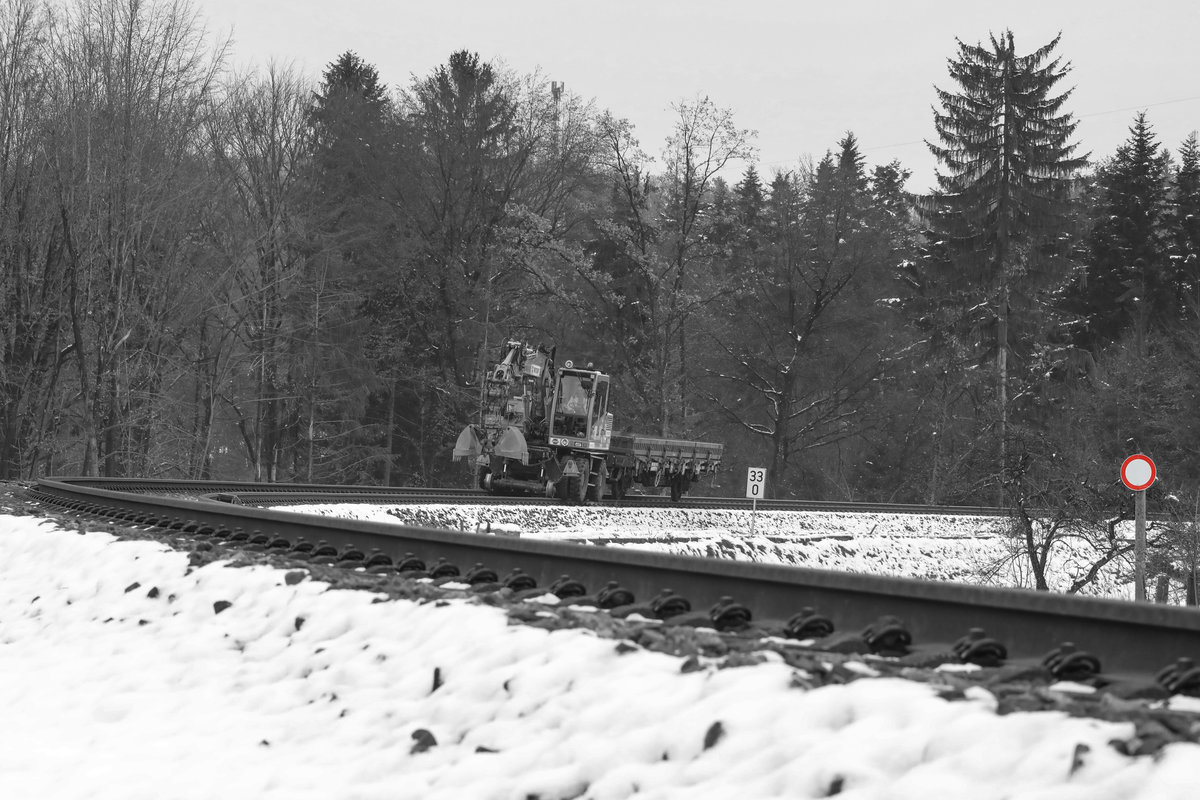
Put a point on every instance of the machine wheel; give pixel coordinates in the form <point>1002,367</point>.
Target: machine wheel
<point>576,490</point>
<point>618,485</point>
<point>679,485</point>
<point>600,475</point>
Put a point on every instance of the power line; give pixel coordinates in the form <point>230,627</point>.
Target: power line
<point>1139,108</point>
<point>1078,116</point>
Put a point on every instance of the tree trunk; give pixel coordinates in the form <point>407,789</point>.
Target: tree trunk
<point>664,391</point>
<point>1037,555</point>
<point>90,466</point>
<point>390,434</point>
<point>779,459</point>
<point>1002,370</point>
<point>202,405</point>
<point>10,451</point>
<point>1162,589</point>
<point>47,426</point>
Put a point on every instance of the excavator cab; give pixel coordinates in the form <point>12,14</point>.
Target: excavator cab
<point>580,411</point>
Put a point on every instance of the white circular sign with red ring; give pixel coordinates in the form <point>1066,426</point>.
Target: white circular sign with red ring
<point>1137,472</point>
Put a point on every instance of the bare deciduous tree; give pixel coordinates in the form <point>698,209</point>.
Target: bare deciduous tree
<point>261,142</point>
<point>31,275</point>
<point>131,88</point>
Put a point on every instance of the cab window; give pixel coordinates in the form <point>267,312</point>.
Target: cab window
<point>571,414</point>
<point>574,398</point>
<point>601,402</point>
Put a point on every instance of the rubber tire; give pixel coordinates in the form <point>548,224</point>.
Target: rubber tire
<point>601,475</point>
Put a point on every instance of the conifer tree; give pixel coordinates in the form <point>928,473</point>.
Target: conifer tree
<point>1186,250</point>
<point>467,160</point>
<point>351,377</point>
<point>737,219</point>
<point>1128,286</point>
<point>347,119</point>
<point>749,202</point>
<point>350,76</point>
<point>1006,165</point>
<point>1006,151</point>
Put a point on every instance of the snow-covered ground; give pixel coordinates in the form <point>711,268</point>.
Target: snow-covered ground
<point>970,549</point>
<point>126,674</point>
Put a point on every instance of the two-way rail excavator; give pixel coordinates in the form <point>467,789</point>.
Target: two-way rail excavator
<point>545,429</point>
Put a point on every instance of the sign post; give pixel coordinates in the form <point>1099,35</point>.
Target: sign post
<point>1138,473</point>
<point>756,478</point>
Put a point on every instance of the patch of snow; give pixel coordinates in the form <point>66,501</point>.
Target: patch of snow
<point>960,548</point>
<point>126,674</point>
<point>951,667</point>
<point>1071,687</point>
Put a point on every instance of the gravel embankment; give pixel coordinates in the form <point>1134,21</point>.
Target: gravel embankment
<point>700,647</point>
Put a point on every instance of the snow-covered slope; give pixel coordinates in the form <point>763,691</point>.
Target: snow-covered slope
<point>127,674</point>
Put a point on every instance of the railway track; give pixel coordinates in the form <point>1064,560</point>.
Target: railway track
<point>266,494</point>
<point>1064,636</point>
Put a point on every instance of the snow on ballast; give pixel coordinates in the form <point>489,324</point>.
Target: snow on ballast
<point>242,682</point>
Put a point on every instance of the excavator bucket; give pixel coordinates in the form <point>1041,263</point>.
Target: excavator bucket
<point>468,444</point>
<point>511,444</point>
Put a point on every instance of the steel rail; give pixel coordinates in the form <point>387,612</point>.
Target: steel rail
<point>1129,638</point>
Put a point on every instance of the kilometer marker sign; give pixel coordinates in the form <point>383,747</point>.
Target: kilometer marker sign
<point>756,478</point>
<point>1137,472</point>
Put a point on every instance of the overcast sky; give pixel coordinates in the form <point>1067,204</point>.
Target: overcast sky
<point>799,73</point>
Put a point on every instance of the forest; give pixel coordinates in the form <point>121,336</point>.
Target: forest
<point>260,276</point>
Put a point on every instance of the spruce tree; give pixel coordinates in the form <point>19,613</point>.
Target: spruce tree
<point>1185,253</point>
<point>1006,166</point>
<point>1128,286</point>
<point>737,220</point>
<point>348,118</point>
<point>349,77</point>
<point>357,147</point>
<point>1006,151</point>
<point>750,201</point>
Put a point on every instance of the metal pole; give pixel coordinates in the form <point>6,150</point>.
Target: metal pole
<point>1191,579</point>
<point>753,514</point>
<point>1139,546</point>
